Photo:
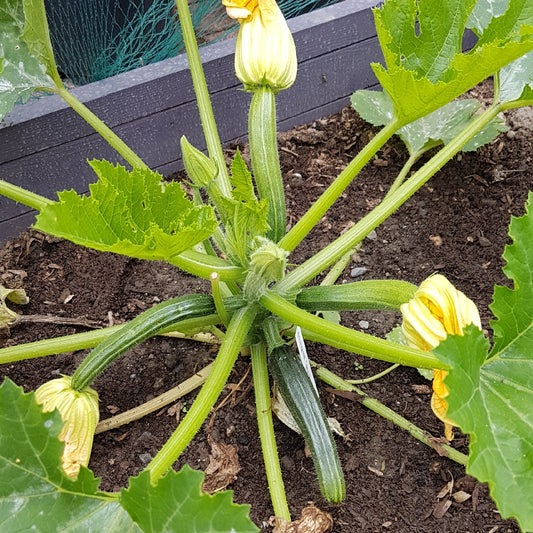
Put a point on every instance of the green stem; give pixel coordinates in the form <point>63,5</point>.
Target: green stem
<point>331,253</point>
<point>204,402</point>
<point>266,432</point>
<point>107,133</point>
<point>504,106</point>
<point>320,330</point>
<point>374,377</point>
<point>203,265</point>
<point>88,339</point>
<point>23,196</point>
<point>402,174</point>
<point>374,405</point>
<point>337,269</point>
<point>330,195</point>
<point>217,298</point>
<point>497,86</point>
<point>205,108</point>
<point>265,159</point>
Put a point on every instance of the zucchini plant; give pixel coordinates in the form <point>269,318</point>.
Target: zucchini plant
<point>231,230</point>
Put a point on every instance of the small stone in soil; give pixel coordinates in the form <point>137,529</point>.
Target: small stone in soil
<point>145,458</point>
<point>363,324</point>
<point>357,271</point>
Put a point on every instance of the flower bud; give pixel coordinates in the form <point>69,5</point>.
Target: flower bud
<point>265,54</point>
<point>79,411</point>
<point>437,310</point>
<point>268,259</point>
<point>199,167</point>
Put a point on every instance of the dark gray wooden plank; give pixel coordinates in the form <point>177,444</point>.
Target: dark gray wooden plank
<point>320,80</point>
<point>167,84</point>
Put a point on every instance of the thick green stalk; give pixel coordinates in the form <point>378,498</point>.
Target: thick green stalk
<point>204,402</point>
<point>266,432</point>
<point>334,251</point>
<point>23,196</point>
<point>107,133</point>
<point>203,265</point>
<point>335,381</point>
<point>320,330</point>
<point>265,159</point>
<point>205,108</point>
<point>217,298</point>
<point>330,195</point>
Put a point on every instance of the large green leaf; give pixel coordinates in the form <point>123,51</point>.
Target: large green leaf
<point>439,127</point>
<point>177,503</point>
<point>20,72</point>
<point>425,66</point>
<point>35,494</point>
<point>132,213</point>
<point>491,396</point>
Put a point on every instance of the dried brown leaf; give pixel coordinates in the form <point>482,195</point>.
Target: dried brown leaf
<point>223,466</point>
<point>313,520</point>
<point>461,496</point>
<point>446,490</point>
<point>441,507</point>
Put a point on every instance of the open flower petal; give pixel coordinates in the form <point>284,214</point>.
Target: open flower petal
<point>437,310</point>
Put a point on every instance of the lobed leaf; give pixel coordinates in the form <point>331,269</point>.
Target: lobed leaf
<point>131,213</point>
<point>491,397</point>
<point>422,46</point>
<point>35,493</point>
<point>177,503</point>
<point>20,71</point>
<point>439,127</point>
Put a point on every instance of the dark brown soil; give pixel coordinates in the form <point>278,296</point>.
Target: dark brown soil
<point>456,225</point>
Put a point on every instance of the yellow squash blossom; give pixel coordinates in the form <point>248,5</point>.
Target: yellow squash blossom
<point>437,310</point>
<point>265,54</point>
<point>79,411</point>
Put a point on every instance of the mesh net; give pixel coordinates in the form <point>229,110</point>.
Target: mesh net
<point>96,39</point>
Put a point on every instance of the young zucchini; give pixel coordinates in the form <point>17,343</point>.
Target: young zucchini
<point>145,325</point>
<point>302,400</point>
<point>369,294</point>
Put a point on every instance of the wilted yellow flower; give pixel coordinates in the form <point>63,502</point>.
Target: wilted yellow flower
<point>79,411</point>
<point>437,310</point>
<point>265,54</point>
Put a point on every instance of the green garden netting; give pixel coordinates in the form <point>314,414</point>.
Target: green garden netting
<point>96,39</point>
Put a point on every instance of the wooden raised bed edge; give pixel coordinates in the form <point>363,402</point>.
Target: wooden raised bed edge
<point>45,144</point>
